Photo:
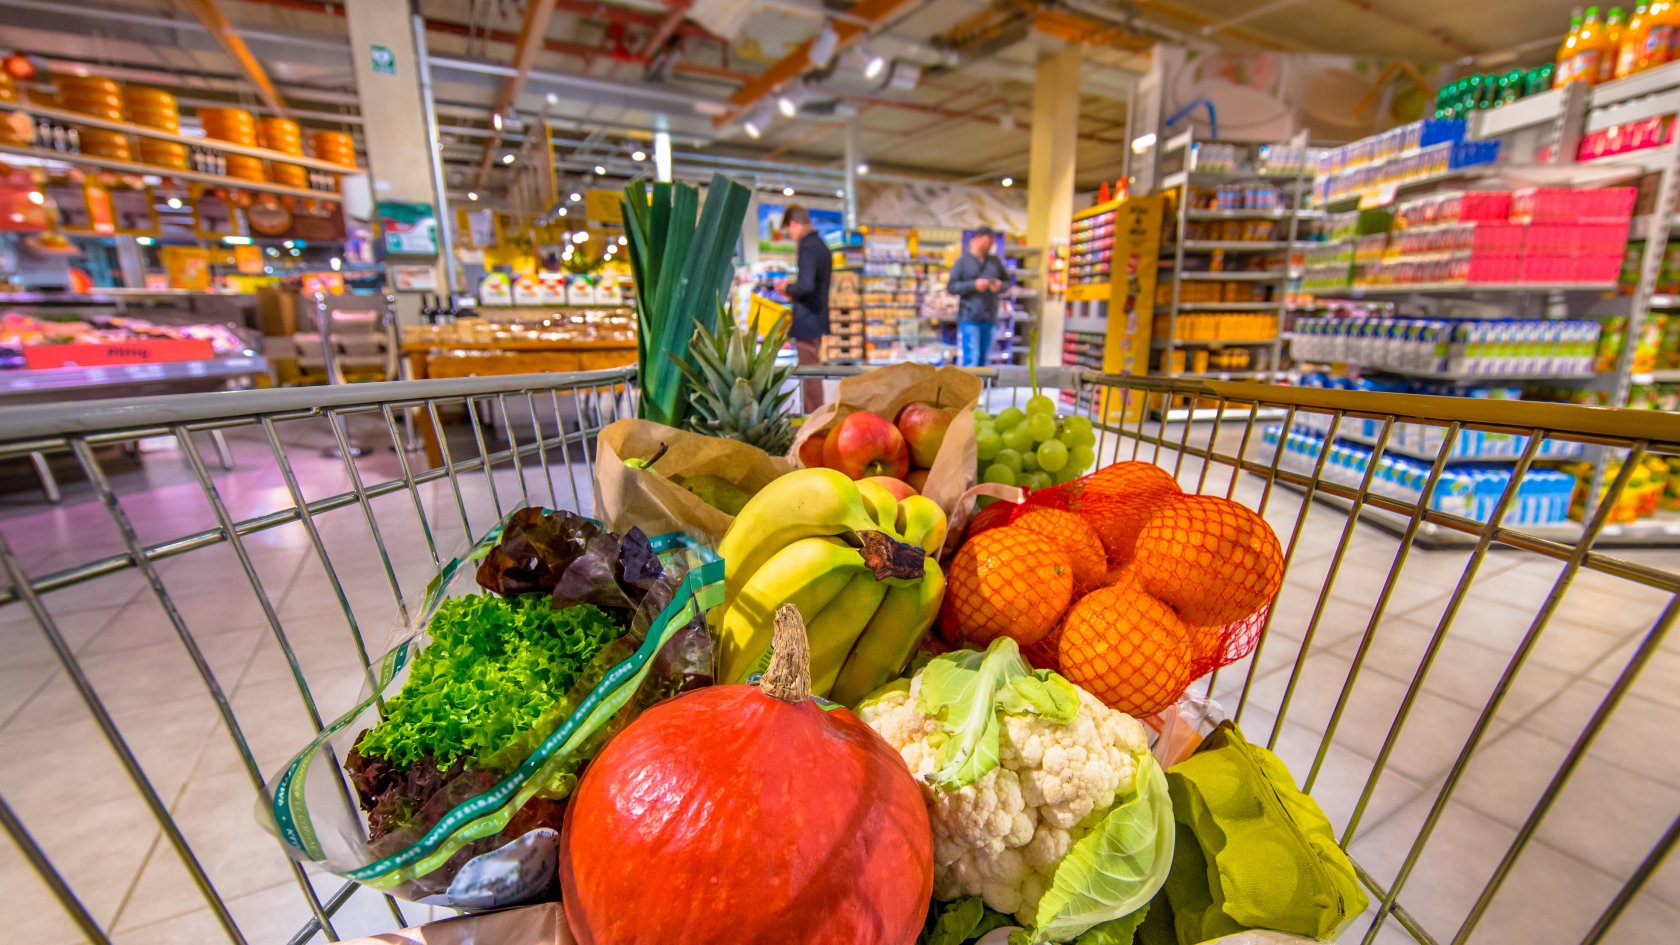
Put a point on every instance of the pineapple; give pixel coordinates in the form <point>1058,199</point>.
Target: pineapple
<point>736,390</point>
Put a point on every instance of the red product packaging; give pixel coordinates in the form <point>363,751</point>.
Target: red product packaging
<point>1493,237</point>
<point>1604,238</point>
<point>1478,205</point>
<point>1551,269</point>
<point>1595,268</point>
<point>1494,267</point>
<point>1551,239</point>
<point>150,351</point>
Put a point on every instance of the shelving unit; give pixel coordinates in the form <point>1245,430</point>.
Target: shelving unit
<point>1540,137</point>
<point>846,342</point>
<point>1257,266</point>
<point>205,144</point>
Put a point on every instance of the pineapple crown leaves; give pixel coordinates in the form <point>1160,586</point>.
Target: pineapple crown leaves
<point>736,389</point>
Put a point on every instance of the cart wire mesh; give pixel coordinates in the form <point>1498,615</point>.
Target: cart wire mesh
<point>1475,687</point>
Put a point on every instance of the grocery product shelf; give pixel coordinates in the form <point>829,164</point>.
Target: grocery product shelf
<point>1178,178</point>
<point>1189,276</point>
<point>1665,376</point>
<point>1231,415</point>
<point>1160,344</point>
<point>133,167</point>
<point>1451,378</point>
<point>1471,287</point>
<point>1429,455</point>
<point>208,144</point>
<point>1229,246</point>
<point>1236,214</point>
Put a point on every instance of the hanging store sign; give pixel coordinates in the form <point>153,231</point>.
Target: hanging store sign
<point>604,206</point>
<point>248,259</point>
<point>408,228</point>
<point>82,208</point>
<point>384,60</point>
<point>214,217</point>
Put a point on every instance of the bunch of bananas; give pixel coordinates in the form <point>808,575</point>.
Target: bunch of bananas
<point>858,562</point>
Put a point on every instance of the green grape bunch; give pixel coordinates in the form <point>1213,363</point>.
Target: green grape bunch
<point>1032,447</point>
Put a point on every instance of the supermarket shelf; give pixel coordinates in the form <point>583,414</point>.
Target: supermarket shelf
<point>1228,375</point>
<point>1541,109</point>
<point>1463,287</point>
<point>1085,324</point>
<point>207,144</point>
<point>1188,276</point>
<point>14,383</point>
<point>1665,301</point>
<point>1667,376</point>
<point>1236,214</point>
<point>131,167</point>
<point>1177,178</point>
<point>1192,307</point>
<point>1160,344</point>
<point>1599,173</point>
<point>1446,378</point>
<point>1661,531</point>
<point>1638,85</point>
<point>1229,246</point>
<point>1428,456</point>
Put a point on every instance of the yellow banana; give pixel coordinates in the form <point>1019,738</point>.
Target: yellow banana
<point>808,574</point>
<point>891,636</point>
<point>882,506</point>
<point>921,522</point>
<point>805,503</point>
<point>836,629</point>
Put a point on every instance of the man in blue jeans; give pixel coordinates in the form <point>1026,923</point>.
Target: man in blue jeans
<point>977,279</point>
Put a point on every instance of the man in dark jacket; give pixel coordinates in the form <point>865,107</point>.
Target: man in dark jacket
<point>976,280</point>
<point>809,295</point>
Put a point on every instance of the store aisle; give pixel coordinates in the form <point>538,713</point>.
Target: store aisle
<point>70,790</point>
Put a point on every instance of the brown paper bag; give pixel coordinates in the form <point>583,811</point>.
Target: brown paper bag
<point>649,500</point>
<point>531,925</point>
<point>888,390</point>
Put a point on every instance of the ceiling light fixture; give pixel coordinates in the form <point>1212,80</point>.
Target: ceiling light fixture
<point>874,65</point>
<point>623,242</point>
<point>496,120</point>
<point>904,75</point>
<point>823,46</point>
<point>863,167</point>
<point>638,155</point>
<point>1008,182</point>
<point>173,203</point>
<point>472,195</point>
<point>599,170</point>
<point>840,193</point>
<point>787,191</point>
<point>508,158</point>
<point>1143,143</point>
<point>564,211</point>
<point>786,105</point>
<point>581,236</point>
<point>575,197</point>
<point>752,129</point>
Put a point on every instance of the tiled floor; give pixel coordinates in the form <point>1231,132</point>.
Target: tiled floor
<point>63,780</point>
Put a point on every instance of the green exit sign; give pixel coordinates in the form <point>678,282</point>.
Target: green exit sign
<point>384,60</point>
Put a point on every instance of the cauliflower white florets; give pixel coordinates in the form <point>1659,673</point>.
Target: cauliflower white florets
<point>1002,837</point>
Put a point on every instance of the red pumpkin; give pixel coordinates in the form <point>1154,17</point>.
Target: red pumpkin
<point>748,815</point>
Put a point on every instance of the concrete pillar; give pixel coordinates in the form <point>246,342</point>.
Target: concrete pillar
<point>1050,167</point>
<point>394,117</point>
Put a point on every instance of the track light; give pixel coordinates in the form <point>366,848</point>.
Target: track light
<point>575,197</point>
<point>638,155</point>
<point>863,167</point>
<point>599,170</point>
<point>787,106</point>
<point>787,191</point>
<point>823,46</point>
<point>1008,182</point>
<point>472,195</point>
<point>871,63</point>
<point>752,129</point>
<point>508,158</point>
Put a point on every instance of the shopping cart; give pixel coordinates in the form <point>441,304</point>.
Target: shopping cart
<point>1447,708</point>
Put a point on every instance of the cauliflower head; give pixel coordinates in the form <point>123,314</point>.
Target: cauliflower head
<point>1002,836</point>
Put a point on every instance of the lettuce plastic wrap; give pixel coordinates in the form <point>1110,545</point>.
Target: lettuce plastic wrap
<point>456,765</point>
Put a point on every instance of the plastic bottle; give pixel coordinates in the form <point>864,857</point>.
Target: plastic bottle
<point>1613,26</point>
<point>1566,52</point>
<point>1632,41</point>
<point>1589,49</point>
<point>1659,34</point>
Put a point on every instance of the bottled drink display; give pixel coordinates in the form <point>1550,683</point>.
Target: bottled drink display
<point>1566,53</point>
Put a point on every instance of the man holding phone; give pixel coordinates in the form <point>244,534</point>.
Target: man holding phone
<point>977,279</point>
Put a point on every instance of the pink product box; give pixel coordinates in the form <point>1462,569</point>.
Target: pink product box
<point>1544,268</point>
<point>1494,267</point>
<point>1552,239</point>
<point>1607,238</point>
<point>1595,267</point>
<point>1478,205</point>
<point>1497,237</point>
<point>1571,205</point>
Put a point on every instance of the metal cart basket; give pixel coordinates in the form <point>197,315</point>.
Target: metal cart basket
<point>1486,720</point>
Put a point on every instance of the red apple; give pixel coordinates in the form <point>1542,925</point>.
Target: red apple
<point>900,489</point>
<point>924,426</point>
<point>864,444</point>
<point>811,451</point>
<point>917,480</point>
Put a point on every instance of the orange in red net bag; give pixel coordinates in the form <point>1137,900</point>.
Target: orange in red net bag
<point>1189,583</point>
<point>1005,582</point>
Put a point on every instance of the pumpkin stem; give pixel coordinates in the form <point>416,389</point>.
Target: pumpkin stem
<point>788,677</point>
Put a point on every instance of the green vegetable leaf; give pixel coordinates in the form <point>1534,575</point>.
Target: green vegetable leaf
<point>962,921</point>
<point>1121,931</point>
<point>966,690</point>
<point>1114,870</point>
<point>1043,693</point>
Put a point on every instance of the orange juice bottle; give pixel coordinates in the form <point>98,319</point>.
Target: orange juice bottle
<point>1613,23</point>
<point>1589,49</point>
<point>1566,52</point>
<point>1659,34</point>
<point>1633,40</point>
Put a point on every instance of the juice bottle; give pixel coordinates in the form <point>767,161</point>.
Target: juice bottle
<point>1659,33</point>
<point>1612,45</point>
<point>1633,40</point>
<point>1566,52</point>
<point>1589,49</point>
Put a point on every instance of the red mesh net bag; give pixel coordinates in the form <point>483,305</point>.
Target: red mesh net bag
<point>1188,584</point>
<point>1005,582</point>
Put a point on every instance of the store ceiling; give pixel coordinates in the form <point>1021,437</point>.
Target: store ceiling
<point>616,68</point>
